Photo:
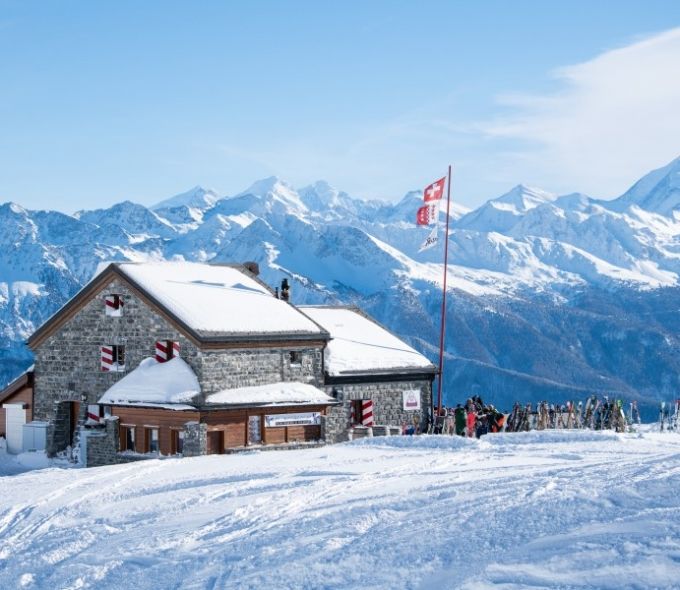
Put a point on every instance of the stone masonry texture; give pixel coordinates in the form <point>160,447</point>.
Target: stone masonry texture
<point>387,405</point>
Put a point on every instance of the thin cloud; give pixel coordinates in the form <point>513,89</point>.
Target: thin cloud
<point>613,118</point>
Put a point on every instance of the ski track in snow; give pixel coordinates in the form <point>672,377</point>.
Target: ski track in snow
<point>536,510</point>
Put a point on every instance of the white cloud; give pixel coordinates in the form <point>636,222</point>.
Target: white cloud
<point>613,119</point>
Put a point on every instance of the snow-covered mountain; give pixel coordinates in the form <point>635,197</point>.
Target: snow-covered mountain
<point>552,296</point>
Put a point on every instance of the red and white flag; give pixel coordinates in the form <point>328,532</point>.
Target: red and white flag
<point>427,214</point>
<point>434,191</point>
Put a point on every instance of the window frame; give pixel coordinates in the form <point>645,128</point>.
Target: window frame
<point>124,431</point>
<point>118,352</point>
<point>148,439</point>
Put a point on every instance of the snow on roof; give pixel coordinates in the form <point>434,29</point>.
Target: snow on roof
<point>359,345</point>
<point>218,300</point>
<point>272,394</point>
<point>154,383</point>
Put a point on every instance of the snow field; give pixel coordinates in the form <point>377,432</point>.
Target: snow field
<point>527,510</point>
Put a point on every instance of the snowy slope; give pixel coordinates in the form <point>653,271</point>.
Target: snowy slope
<point>550,510</point>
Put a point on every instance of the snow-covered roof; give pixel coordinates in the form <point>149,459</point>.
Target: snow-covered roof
<point>272,394</point>
<point>218,300</point>
<point>360,345</point>
<point>155,384</point>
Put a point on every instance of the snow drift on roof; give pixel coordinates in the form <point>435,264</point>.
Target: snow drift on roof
<point>283,394</point>
<point>218,300</point>
<point>360,345</point>
<point>172,382</point>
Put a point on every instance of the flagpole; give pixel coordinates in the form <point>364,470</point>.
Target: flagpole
<point>443,320</point>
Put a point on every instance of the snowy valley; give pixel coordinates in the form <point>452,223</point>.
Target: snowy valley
<point>553,297</point>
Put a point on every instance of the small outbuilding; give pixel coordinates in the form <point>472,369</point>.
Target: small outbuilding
<point>376,378</point>
<point>16,410</point>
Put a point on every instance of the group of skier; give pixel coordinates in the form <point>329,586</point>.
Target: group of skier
<point>473,419</point>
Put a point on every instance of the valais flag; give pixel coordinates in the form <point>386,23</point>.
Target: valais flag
<point>427,214</point>
<point>435,191</point>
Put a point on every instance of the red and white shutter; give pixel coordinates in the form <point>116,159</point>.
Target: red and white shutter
<point>366,412</point>
<point>113,305</point>
<point>166,349</point>
<point>93,412</point>
<point>107,358</point>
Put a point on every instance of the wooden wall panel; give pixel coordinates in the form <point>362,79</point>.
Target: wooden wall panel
<point>274,436</point>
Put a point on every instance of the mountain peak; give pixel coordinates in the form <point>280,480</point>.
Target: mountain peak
<point>196,197</point>
<point>523,197</point>
<point>271,184</point>
<point>275,191</point>
<point>658,191</point>
<point>13,208</point>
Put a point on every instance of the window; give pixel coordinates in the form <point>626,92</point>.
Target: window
<point>113,304</point>
<point>127,438</point>
<point>166,350</point>
<point>112,357</point>
<point>356,411</point>
<point>177,440</point>
<point>295,357</point>
<point>152,440</point>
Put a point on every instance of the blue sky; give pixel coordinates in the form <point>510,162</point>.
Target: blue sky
<point>101,102</point>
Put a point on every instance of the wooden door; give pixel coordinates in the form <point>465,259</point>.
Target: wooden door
<point>74,414</point>
<point>215,442</point>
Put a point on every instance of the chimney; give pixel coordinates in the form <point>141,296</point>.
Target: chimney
<point>253,267</point>
<point>285,290</point>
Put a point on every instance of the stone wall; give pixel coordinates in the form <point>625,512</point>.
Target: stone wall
<point>195,439</point>
<point>227,369</point>
<point>101,444</point>
<point>388,407</point>
<point>68,363</point>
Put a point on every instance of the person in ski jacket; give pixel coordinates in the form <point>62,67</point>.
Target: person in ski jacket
<point>460,419</point>
<point>496,419</point>
<point>471,411</point>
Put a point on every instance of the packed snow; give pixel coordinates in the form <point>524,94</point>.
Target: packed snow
<point>549,510</point>
<point>360,344</point>
<point>271,394</point>
<point>206,296</point>
<point>171,382</point>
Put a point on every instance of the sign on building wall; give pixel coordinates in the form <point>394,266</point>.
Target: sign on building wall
<point>411,399</point>
<point>303,419</point>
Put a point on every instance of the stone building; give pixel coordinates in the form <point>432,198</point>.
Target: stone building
<point>218,323</point>
<point>376,378</point>
<point>189,358</point>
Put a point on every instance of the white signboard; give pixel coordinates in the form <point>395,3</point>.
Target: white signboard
<point>412,399</point>
<point>305,419</point>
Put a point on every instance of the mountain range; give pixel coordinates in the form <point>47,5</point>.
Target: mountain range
<point>550,297</point>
